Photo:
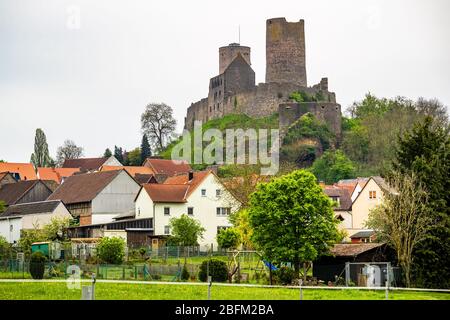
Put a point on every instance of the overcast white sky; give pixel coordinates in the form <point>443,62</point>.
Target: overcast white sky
<point>91,82</point>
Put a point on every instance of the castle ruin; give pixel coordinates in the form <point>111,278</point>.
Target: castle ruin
<point>234,91</point>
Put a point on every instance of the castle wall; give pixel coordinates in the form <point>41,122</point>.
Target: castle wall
<point>328,112</point>
<point>285,51</point>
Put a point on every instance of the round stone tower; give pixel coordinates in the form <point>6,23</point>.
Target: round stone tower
<point>228,53</point>
<point>285,51</point>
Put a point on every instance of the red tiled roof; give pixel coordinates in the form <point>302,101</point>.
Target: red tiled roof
<point>197,179</point>
<point>83,187</point>
<point>132,170</point>
<point>169,167</point>
<point>166,192</point>
<point>85,164</point>
<point>25,170</point>
<point>56,174</point>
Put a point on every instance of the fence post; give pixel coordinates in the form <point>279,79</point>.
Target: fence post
<point>301,290</point>
<point>387,281</point>
<point>347,273</point>
<point>209,287</point>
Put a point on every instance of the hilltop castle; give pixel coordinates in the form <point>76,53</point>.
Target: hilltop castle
<point>234,90</point>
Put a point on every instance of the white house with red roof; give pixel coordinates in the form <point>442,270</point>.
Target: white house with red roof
<point>199,195</point>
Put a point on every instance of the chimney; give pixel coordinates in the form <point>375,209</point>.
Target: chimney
<point>190,175</point>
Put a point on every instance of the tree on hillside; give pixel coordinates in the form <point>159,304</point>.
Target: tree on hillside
<point>185,231</point>
<point>292,220</point>
<point>40,157</point>
<point>401,219</point>
<point>158,124</point>
<point>107,153</point>
<point>433,108</point>
<point>69,150</point>
<point>145,149</point>
<point>425,152</point>
<point>333,166</point>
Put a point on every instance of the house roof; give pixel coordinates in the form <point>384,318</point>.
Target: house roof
<point>169,167</point>
<point>363,234</point>
<point>183,179</point>
<point>30,208</point>
<point>169,193</point>
<point>4,174</point>
<point>345,200</point>
<point>12,192</point>
<point>85,164</point>
<point>350,184</point>
<point>132,170</point>
<point>83,187</point>
<point>145,178</point>
<point>353,249</point>
<point>56,174</point>
<point>380,182</point>
<point>25,170</point>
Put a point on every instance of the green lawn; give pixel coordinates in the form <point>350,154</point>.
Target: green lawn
<point>113,291</point>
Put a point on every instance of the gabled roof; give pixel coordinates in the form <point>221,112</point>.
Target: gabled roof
<point>5,174</point>
<point>145,178</point>
<point>183,179</point>
<point>83,187</point>
<point>169,167</point>
<point>12,192</point>
<point>353,249</point>
<point>56,174</point>
<point>25,170</point>
<point>363,234</point>
<point>167,193</point>
<point>345,200</point>
<point>132,170</point>
<point>85,164</point>
<point>380,182</point>
<point>30,208</point>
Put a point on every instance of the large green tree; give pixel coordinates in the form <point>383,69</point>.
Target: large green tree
<point>333,166</point>
<point>292,219</point>
<point>41,157</point>
<point>185,231</point>
<point>425,151</point>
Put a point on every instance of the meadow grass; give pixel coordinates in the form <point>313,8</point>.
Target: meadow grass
<point>118,291</point>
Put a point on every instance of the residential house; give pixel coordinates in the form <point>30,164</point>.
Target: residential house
<point>20,171</point>
<point>91,164</point>
<point>98,197</point>
<point>25,216</point>
<point>354,186</point>
<point>200,195</point>
<point>371,195</point>
<point>56,174</point>
<point>6,178</point>
<point>24,191</point>
<point>167,167</point>
<point>363,236</point>
<point>140,174</point>
<point>343,205</point>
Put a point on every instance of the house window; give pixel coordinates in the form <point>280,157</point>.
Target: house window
<point>139,212</point>
<point>203,192</point>
<point>191,211</point>
<point>223,211</point>
<point>166,229</point>
<point>11,228</point>
<point>218,192</point>
<point>372,194</point>
<point>167,211</point>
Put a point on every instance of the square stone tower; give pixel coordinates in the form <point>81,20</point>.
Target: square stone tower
<point>285,51</point>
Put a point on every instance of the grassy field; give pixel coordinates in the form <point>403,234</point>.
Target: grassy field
<point>113,291</point>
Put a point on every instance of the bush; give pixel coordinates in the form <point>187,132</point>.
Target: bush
<point>217,270</point>
<point>228,238</point>
<point>285,275</point>
<point>37,265</point>
<point>185,274</point>
<point>111,250</point>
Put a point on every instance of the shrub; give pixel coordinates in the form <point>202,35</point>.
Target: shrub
<point>185,274</point>
<point>111,250</point>
<point>285,275</point>
<point>37,265</point>
<point>217,270</point>
<point>228,238</point>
